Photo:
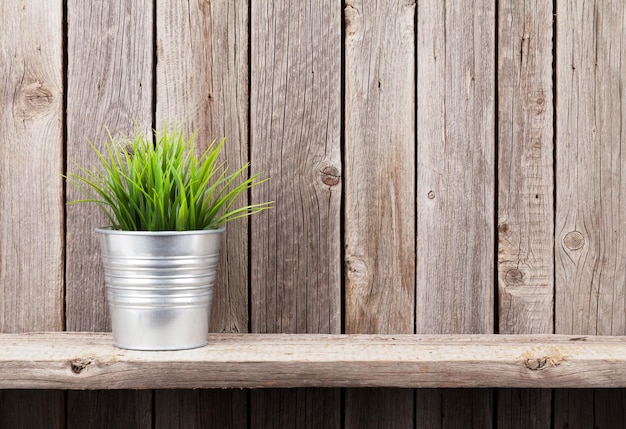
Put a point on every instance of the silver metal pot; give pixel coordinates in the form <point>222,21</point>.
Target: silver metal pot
<point>160,286</point>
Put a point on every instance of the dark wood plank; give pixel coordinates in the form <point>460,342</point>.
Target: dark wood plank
<point>31,191</point>
<point>524,408</point>
<point>189,409</point>
<point>32,409</point>
<point>453,408</point>
<point>590,247</point>
<point>120,409</point>
<point>455,187</point>
<point>380,190</point>
<point>202,80</point>
<point>110,59</point>
<point>295,138</point>
<point>525,191</point>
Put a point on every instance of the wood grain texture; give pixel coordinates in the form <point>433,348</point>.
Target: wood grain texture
<point>202,80</point>
<point>31,160</point>
<point>525,191</point>
<point>380,189</point>
<point>380,166</point>
<point>295,118</point>
<point>591,185</point>
<point>525,168</point>
<point>31,190</point>
<point>295,115</point>
<point>79,360</point>
<point>109,78</point>
<point>455,188</point>
<point>455,185</point>
<point>590,252</point>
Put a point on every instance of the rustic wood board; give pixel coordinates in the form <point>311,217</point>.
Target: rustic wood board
<point>109,84</point>
<point>295,112</point>
<point>202,82</point>
<point>31,190</point>
<point>455,185</point>
<point>379,215</point>
<point>525,191</point>
<point>591,187</point>
<point>80,360</point>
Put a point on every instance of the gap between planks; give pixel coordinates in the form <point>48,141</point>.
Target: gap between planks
<point>85,360</point>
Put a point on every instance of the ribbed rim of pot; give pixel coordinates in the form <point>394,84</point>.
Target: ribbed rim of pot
<point>110,231</point>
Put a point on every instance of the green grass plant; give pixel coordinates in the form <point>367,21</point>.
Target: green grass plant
<point>164,186</point>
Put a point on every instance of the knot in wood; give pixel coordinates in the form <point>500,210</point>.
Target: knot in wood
<point>330,176</point>
<point>574,240</point>
<point>33,99</point>
<point>78,365</point>
<point>504,229</point>
<point>536,364</point>
<point>514,277</point>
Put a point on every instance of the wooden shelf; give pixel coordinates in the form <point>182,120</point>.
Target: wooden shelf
<point>79,360</point>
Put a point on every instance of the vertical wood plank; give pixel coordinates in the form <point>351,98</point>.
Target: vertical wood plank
<point>380,190</point>
<point>202,80</point>
<point>525,191</point>
<point>295,138</point>
<point>455,186</point>
<point>591,186</point>
<point>31,191</point>
<point>31,162</point>
<point>110,59</point>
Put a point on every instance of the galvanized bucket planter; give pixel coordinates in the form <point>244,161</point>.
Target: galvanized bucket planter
<point>160,286</point>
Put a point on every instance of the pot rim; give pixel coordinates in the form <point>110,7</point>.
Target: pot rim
<point>109,231</point>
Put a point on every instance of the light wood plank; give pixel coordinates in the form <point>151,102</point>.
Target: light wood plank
<point>295,131</point>
<point>31,162</point>
<point>525,168</point>
<point>109,69</point>
<point>455,184</point>
<point>31,190</point>
<point>591,186</point>
<point>109,86</point>
<point>295,118</point>
<point>380,164</point>
<point>202,80</point>
<point>525,191</point>
<point>380,189</point>
<point>78,360</point>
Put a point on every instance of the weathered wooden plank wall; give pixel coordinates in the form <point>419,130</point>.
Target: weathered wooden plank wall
<point>426,180</point>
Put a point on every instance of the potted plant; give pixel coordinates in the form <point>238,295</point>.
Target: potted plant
<point>167,208</point>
